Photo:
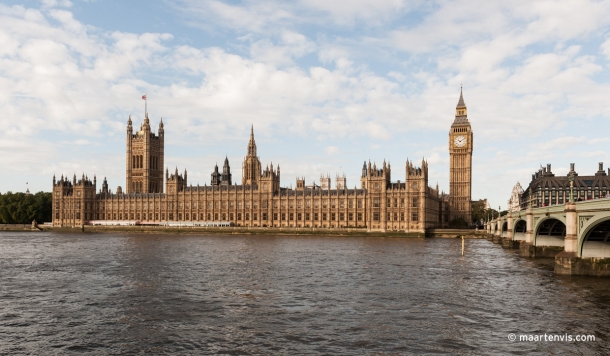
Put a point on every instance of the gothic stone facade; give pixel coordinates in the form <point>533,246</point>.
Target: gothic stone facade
<point>259,201</point>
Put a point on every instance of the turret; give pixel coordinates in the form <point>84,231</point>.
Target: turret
<point>105,186</point>
<point>175,183</point>
<point>216,177</point>
<point>301,183</point>
<point>270,180</point>
<point>341,182</point>
<point>325,182</point>
<point>129,126</point>
<point>226,173</point>
<point>146,125</point>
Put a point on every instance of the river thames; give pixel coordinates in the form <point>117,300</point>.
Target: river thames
<point>115,294</point>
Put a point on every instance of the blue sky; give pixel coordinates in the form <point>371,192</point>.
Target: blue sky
<point>327,85</point>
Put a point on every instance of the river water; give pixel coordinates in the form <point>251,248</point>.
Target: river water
<point>115,294</point>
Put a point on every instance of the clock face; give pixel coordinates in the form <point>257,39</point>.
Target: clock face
<point>459,141</point>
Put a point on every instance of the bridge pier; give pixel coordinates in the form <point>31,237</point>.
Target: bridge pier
<point>525,248</point>
<point>497,239</point>
<point>508,242</point>
<point>531,251</point>
<point>568,262</point>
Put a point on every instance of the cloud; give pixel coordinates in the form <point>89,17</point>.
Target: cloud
<point>56,3</point>
<point>348,13</point>
<point>292,45</point>
<point>250,16</point>
<point>331,150</point>
<point>316,78</point>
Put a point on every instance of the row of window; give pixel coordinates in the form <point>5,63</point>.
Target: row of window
<point>558,197</point>
<point>224,216</point>
<point>376,204</point>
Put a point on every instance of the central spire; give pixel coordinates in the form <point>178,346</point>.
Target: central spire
<point>461,113</point>
<point>252,143</point>
<point>461,103</point>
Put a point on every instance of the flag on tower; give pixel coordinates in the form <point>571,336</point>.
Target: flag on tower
<point>144,97</point>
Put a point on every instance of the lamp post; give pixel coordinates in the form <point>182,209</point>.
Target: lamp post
<point>571,180</point>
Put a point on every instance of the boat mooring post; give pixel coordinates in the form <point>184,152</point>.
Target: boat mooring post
<point>462,245</point>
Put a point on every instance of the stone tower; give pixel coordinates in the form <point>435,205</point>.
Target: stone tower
<point>251,171</point>
<point>341,181</point>
<point>377,181</point>
<point>215,176</point>
<point>226,173</point>
<point>144,163</point>
<point>460,168</point>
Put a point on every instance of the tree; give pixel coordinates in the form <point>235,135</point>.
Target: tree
<point>19,208</point>
<point>458,223</point>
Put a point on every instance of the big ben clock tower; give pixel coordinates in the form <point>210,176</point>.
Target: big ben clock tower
<point>460,166</point>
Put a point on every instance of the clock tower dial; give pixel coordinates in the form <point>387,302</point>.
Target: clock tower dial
<point>460,174</point>
<point>459,141</point>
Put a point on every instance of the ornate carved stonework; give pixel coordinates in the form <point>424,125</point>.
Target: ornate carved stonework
<point>514,203</point>
<point>582,220</point>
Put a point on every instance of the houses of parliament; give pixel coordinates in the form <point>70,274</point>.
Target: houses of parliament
<point>154,197</point>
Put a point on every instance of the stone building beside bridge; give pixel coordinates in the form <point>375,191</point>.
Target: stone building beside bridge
<point>377,203</point>
<point>547,189</point>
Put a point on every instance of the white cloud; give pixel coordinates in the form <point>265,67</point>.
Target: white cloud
<point>56,3</point>
<point>605,48</point>
<point>252,16</point>
<point>292,45</point>
<point>344,77</point>
<point>331,150</point>
<point>373,13</point>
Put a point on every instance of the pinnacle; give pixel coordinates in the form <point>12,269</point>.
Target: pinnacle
<point>461,103</point>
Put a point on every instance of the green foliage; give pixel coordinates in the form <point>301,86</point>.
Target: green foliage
<point>478,210</point>
<point>458,223</point>
<point>19,208</point>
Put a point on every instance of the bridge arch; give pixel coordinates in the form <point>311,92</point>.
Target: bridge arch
<point>519,229</point>
<point>550,231</point>
<point>594,238</point>
<point>504,229</point>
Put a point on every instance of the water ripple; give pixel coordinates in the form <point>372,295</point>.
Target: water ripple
<point>227,295</point>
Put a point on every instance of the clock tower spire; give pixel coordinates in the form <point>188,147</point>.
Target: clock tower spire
<point>460,166</point>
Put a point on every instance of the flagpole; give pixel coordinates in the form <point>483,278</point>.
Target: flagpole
<point>145,104</point>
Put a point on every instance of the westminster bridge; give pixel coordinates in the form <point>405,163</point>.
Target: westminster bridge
<point>576,234</point>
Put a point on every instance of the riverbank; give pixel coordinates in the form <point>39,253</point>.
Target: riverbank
<point>440,233</point>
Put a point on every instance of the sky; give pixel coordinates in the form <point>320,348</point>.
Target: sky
<point>327,85</point>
